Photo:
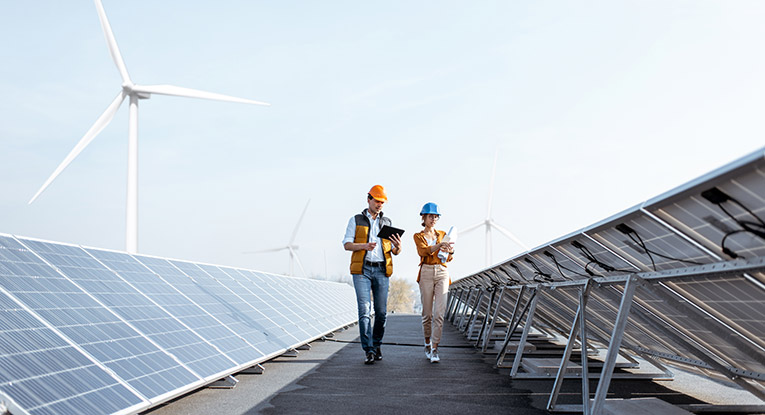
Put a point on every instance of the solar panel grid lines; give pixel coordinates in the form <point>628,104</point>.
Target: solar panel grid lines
<point>167,330</point>
<point>230,309</point>
<point>320,318</point>
<point>738,310</point>
<point>282,320</point>
<point>119,345</point>
<point>73,381</point>
<point>714,334</point>
<point>323,317</point>
<point>180,300</point>
<point>87,330</point>
<point>44,373</point>
<point>272,315</point>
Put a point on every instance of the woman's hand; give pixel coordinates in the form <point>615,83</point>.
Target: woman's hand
<point>446,247</point>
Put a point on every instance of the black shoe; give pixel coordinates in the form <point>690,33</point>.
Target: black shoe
<point>378,353</point>
<point>370,358</point>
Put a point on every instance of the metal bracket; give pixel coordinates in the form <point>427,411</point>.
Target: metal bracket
<point>290,353</point>
<point>253,370</point>
<point>229,382</point>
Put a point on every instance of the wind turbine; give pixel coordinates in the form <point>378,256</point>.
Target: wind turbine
<point>134,92</point>
<point>489,223</point>
<point>291,247</point>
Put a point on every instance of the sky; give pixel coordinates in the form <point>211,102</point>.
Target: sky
<point>591,107</point>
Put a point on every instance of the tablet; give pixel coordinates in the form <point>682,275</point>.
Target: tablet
<point>387,231</point>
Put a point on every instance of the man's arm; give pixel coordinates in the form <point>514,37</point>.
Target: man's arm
<point>351,246</point>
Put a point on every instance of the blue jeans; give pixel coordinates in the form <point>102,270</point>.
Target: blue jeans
<point>373,280</point>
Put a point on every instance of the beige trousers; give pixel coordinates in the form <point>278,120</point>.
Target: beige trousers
<point>434,288</point>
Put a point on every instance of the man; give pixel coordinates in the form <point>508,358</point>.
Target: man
<point>371,266</point>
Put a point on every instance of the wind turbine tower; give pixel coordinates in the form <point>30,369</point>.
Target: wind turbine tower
<point>291,247</point>
<point>489,223</point>
<point>134,92</point>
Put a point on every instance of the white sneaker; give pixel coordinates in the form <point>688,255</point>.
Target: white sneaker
<point>434,356</point>
<point>427,351</point>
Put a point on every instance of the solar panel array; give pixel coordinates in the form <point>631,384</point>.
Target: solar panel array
<point>86,330</point>
<point>679,278</point>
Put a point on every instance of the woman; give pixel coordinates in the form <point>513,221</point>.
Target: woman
<point>433,279</point>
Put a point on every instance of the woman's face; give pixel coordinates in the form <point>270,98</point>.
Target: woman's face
<point>430,219</point>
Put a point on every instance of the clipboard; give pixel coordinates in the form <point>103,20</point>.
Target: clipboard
<point>387,231</point>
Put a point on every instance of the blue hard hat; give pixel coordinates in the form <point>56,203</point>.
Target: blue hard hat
<point>430,208</point>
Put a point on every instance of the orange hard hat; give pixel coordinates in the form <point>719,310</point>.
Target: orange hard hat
<point>378,193</point>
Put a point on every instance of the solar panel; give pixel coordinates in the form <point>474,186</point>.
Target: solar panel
<point>690,301</point>
<point>85,330</point>
<point>45,374</point>
<point>118,288</point>
<point>89,323</point>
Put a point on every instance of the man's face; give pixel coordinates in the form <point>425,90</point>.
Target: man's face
<point>375,206</point>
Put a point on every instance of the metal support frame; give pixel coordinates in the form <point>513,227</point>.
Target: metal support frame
<point>513,324</point>
<point>475,321</point>
<point>510,326</point>
<point>486,317</point>
<point>579,323</point>
<point>464,308</point>
<point>473,310</point>
<point>613,346</point>
<point>229,382</point>
<point>449,302</point>
<point>254,370</point>
<point>290,353</point>
<point>526,329</point>
<point>490,329</point>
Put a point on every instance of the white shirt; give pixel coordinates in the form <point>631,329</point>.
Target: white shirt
<point>375,255</point>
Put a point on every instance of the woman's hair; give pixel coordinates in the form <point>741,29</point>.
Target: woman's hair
<point>423,220</point>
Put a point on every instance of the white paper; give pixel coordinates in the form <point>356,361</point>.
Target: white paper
<point>451,236</point>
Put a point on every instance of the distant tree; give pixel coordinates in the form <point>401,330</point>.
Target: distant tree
<point>400,296</point>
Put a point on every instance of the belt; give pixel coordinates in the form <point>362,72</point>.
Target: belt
<point>374,264</point>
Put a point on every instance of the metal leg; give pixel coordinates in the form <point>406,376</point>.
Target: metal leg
<point>486,317</point>
<point>487,337</point>
<point>468,328</point>
<point>613,346</point>
<point>463,308</point>
<point>513,324</point>
<point>525,335</point>
<point>578,322</point>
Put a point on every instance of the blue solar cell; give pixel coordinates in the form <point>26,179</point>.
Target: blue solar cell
<point>87,322</point>
<point>194,305</point>
<point>118,283</point>
<point>230,309</point>
<point>39,370</point>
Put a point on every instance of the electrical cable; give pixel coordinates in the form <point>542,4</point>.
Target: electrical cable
<point>718,197</point>
<point>591,257</point>
<point>559,266</point>
<point>625,229</point>
<point>545,277</point>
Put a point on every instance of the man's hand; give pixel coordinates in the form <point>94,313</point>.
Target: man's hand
<point>396,240</point>
<point>370,246</point>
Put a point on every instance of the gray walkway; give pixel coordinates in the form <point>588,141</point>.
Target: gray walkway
<point>332,379</point>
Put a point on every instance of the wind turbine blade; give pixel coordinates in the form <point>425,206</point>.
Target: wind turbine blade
<point>491,184</point>
<point>267,250</point>
<point>297,227</point>
<point>471,228</point>
<point>192,93</point>
<point>97,127</point>
<point>295,257</point>
<point>114,50</point>
<point>509,235</point>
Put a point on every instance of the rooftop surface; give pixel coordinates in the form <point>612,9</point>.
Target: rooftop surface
<point>331,378</point>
